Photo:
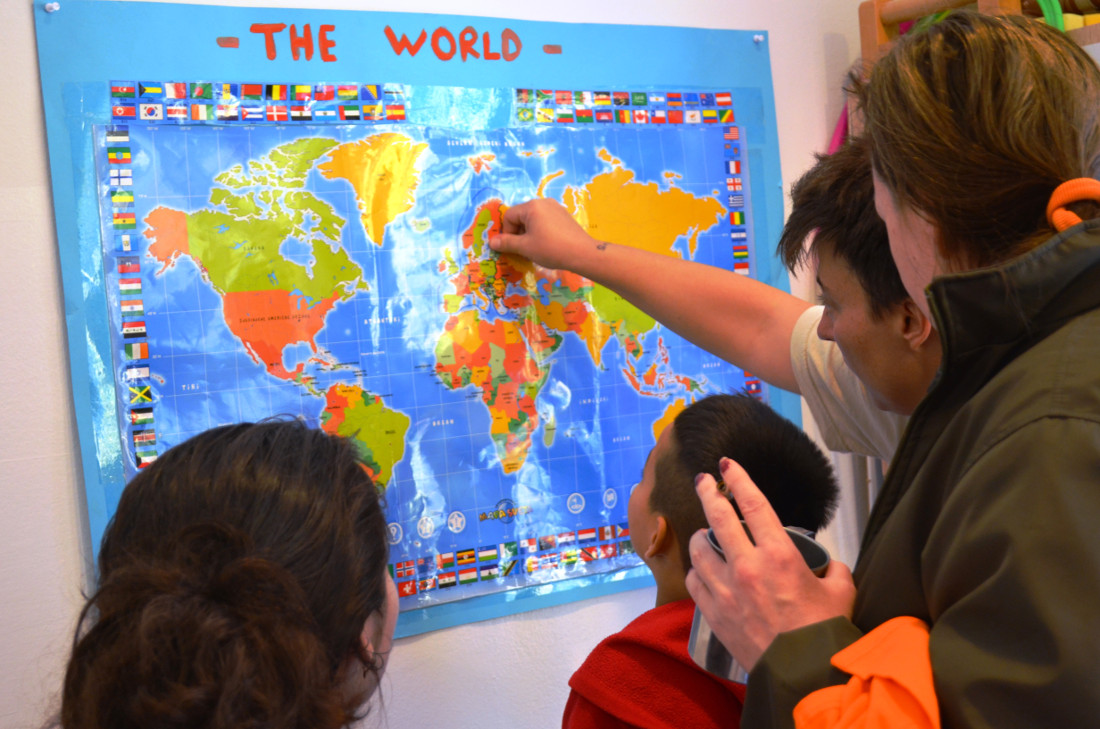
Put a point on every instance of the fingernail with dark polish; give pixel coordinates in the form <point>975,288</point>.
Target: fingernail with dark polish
<point>698,478</point>
<point>723,464</point>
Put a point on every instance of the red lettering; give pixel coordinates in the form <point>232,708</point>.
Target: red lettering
<point>509,37</point>
<point>439,34</point>
<point>489,55</point>
<point>301,42</point>
<point>269,30</point>
<point>400,46</point>
<point>324,45</point>
<point>466,40</point>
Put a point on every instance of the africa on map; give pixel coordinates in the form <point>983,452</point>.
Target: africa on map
<point>341,274</point>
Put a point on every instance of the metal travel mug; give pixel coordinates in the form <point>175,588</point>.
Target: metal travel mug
<point>703,645</point>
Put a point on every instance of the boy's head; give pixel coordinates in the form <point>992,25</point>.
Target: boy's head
<point>782,461</point>
<point>885,338</point>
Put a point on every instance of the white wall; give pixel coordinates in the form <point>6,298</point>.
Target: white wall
<point>507,672</point>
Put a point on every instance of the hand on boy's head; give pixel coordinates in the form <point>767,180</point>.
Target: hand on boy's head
<point>761,589</point>
<point>543,231</point>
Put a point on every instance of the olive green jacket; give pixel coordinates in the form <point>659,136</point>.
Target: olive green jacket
<point>988,525</point>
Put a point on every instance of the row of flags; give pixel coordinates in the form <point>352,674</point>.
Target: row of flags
<point>188,111</point>
<point>585,115</point>
<point>225,91</point>
<point>664,99</point>
<point>498,561</point>
<point>127,272</point>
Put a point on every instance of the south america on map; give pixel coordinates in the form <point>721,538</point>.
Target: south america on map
<point>341,274</point>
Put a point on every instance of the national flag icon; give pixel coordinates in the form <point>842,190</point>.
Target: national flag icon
<point>118,136</point>
<point>723,98</point>
<point>622,530</point>
<point>202,112</point>
<point>674,99</point>
<point>549,561</point>
<point>585,116</point>
<point>529,545</point>
<point>733,166</point>
<point>726,116</point>
<point>141,416</point>
<point>277,92</point>
<point>324,112</point>
<point>626,547</point>
<point>424,566</point>
<point>137,350</point>
<point>657,116</point>
<point>144,438</point>
<point>692,116</point>
<point>641,116</point>
<point>607,551</point>
<point>123,220</point>
<point>348,92</point>
<point>137,373</point>
<point>570,556</point>
<point>445,561</point>
<point>252,92</point>
<point>548,542</point>
<point>566,538</point>
<point>525,114</point>
<point>710,116</point>
<point>753,387</point>
<point>738,235</point>
<point>301,92</point>
<point>507,567</point>
<point>590,554</point>
<point>133,329</point>
<point>490,572</point>
<point>122,177</point>
<point>531,564</point>
<point>324,92</point>
<point>124,111</point>
<point>426,584</point>
<point>706,99</point>
<point>228,112</point>
<point>395,112</point>
<point>605,116</point>
<point>129,264</point>
<point>639,98</point>
<point>563,97</point>
<point>675,116</point>
<point>691,98</point>
<point>407,568</point>
<point>467,576</point>
<point>406,589</point>
<point>623,116</point>
<point>564,114</point>
<point>584,98</point>
<point>524,96</point>
<point>487,554</point>
<point>118,155</point>
<point>151,89</point>
<point>122,198</point>
<point>227,92</point>
<point>175,91</point>
<point>508,550</point>
<point>252,112</point>
<point>733,184</point>
<point>349,112</point>
<point>606,532</point>
<point>620,98</point>
<point>740,253</point>
<point>543,95</point>
<point>373,112</point>
<point>602,98</point>
<point>656,98</point>
<point>141,393</point>
<point>276,112</point>
<point>733,133</point>
<point>176,112</point>
<point>300,112</point>
<point>151,112</point>
<point>122,243</point>
<point>393,92</point>
<point>132,308</point>
<point>466,556</point>
<point>737,218</point>
<point>122,90</point>
<point>145,458</point>
<point>736,201</point>
<point>447,579</point>
<point>202,90</point>
<point>544,115</point>
<point>586,535</point>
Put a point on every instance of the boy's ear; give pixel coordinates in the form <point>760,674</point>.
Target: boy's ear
<point>661,540</point>
<point>916,327</point>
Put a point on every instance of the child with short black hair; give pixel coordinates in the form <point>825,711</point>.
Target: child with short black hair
<point>643,676</point>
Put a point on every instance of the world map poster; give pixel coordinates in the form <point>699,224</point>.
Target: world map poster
<point>320,251</point>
